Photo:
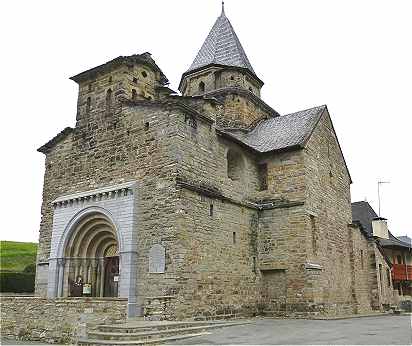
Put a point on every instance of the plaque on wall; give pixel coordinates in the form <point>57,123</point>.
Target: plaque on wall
<point>157,259</point>
<point>87,289</point>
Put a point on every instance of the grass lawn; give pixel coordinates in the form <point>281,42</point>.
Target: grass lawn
<point>15,256</point>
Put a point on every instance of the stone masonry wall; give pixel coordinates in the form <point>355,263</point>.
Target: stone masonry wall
<point>380,280</point>
<point>329,213</point>
<point>282,247</point>
<point>286,176</point>
<point>60,321</point>
<point>216,236</point>
<point>241,111</point>
<point>361,261</point>
<point>218,277</point>
<point>129,144</point>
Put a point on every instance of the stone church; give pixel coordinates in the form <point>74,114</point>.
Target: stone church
<point>201,204</point>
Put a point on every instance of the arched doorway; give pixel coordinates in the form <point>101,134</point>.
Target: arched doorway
<point>91,258</point>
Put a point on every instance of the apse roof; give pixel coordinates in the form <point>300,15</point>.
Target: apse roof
<point>280,132</point>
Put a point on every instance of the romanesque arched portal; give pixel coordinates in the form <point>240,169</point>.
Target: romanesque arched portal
<point>94,245</point>
<point>91,258</point>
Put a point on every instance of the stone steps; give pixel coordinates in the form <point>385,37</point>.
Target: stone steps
<point>96,342</point>
<point>130,328</point>
<point>143,332</point>
<point>147,335</point>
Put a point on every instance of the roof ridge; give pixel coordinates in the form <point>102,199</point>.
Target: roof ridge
<point>304,110</point>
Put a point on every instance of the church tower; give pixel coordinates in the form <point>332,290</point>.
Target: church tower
<point>222,70</point>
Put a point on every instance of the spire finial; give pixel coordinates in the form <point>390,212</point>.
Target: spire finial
<point>223,7</point>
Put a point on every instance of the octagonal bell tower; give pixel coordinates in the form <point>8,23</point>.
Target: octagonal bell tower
<point>222,70</point>
<point>220,63</point>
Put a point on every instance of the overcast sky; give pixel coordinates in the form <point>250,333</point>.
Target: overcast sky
<point>354,56</point>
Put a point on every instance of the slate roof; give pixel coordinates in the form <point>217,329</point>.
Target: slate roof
<point>405,239</point>
<point>363,213</point>
<point>222,47</point>
<point>281,132</point>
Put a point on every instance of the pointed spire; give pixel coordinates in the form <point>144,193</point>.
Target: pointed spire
<point>222,47</point>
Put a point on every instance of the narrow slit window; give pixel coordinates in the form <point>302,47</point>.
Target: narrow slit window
<point>234,237</point>
<point>211,211</point>
<point>201,87</point>
<point>314,235</point>
<point>380,277</point>
<point>88,103</point>
<point>361,258</point>
<point>263,176</point>
<point>109,100</point>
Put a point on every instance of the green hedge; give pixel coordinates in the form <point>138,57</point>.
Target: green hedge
<point>16,282</point>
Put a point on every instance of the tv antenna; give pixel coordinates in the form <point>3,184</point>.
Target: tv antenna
<point>379,195</point>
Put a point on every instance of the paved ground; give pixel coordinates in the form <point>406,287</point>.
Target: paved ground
<point>382,330</point>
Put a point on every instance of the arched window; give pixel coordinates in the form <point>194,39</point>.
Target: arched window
<point>88,102</point>
<point>234,165</point>
<point>134,94</point>
<point>109,100</point>
<point>201,87</point>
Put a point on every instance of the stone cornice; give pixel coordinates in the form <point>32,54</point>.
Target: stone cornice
<point>108,192</point>
<point>204,69</point>
<point>212,192</point>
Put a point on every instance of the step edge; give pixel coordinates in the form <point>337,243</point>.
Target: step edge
<point>167,330</point>
<point>139,342</point>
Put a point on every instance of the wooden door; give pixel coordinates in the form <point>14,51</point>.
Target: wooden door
<point>111,276</point>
